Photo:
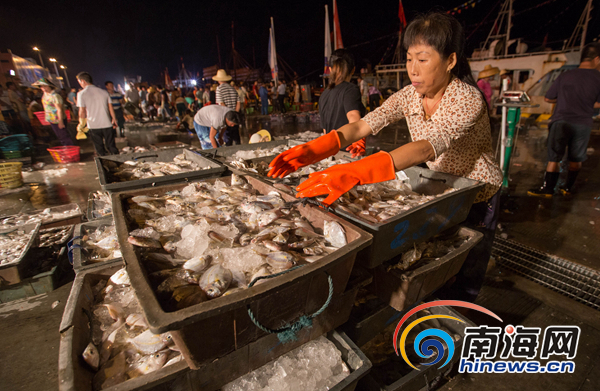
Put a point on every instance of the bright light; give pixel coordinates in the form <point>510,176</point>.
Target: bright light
<point>12,73</point>
<point>52,59</point>
<point>127,87</point>
<point>63,67</point>
<point>36,49</point>
<point>193,82</point>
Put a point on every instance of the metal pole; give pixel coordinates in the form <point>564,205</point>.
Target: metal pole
<point>585,25</point>
<point>58,75</point>
<point>508,27</point>
<point>41,61</point>
<point>67,77</point>
<point>503,134</point>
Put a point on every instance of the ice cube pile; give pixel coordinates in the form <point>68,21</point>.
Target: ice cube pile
<point>101,244</point>
<point>38,216</point>
<point>316,365</point>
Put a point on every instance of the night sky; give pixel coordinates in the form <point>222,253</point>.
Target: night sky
<point>112,39</point>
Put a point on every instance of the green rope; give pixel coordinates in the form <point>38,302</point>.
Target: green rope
<point>289,333</point>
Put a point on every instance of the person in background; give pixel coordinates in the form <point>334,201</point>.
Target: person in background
<point>17,101</point>
<point>228,97</point>
<point>187,122</point>
<point>72,99</point>
<point>7,110</point>
<point>242,95</point>
<point>576,94</point>
<point>264,99</point>
<point>212,94</point>
<point>205,97</point>
<point>132,101</point>
<point>165,105</point>
<point>374,97</point>
<point>54,108</point>
<point>117,101</point>
<point>211,123</point>
<point>340,103</point>
<point>143,98</point>
<point>483,82</point>
<point>296,93</point>
<point>197,95</point>
<point>281,95</point>
<point>364,91</point>
<point>505,80</point>
<point>180,103</point>
<point>95,106</point>
<point>273,93</point>
<point>449,124</point>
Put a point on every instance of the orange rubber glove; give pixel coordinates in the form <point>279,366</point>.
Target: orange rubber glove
<point>305,154</point>
<point>340,178</point>
<point>358,148</point>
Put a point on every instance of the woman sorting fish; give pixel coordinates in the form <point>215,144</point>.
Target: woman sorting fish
<point>448,120</point>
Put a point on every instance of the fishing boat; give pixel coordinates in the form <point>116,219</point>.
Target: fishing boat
<point>532,72</point>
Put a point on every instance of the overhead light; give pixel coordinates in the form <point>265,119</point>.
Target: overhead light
<point>36,49</point>
<point>193,82</point>
<point>12,72</point>
<point>63,67</point>
<point>52,59</point>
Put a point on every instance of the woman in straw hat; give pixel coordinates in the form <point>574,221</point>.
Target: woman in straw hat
<point>54,108</point>
<point>449,125</point>
<point>483,82</point>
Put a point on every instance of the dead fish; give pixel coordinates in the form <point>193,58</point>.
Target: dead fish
<point>216,236</point>
<point>315,250</point>
<point>91,356</point>
<point>136,320</point>
<point>281,238</point>
<point>281,260</point>
<point>197,264</point>
<point>215,281</point>
<point>144,242</point>
<point>120,277</point>
<point>334,233</point>
<point>266,218</point>
<point>174,360</point>
<point>149,343</point>
<point>301,244</point>
<point>305,233</point>
<point>148,364</point>
<point>237,180</point>
<point>169,246</point>
<point>271,245</point>
<point>245,239</point>
<point>115,311</point>
<point>255,206</point>
<point>261,272</point>
<point>193,299</point>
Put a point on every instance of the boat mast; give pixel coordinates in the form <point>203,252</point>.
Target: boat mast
<point>495,32</point>
<point>582,26</point>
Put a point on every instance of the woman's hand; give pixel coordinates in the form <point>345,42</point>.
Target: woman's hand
<point>305,154</point>
<point>339,179</point>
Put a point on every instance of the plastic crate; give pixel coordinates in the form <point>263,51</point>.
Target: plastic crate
<point>73,373</point>
<point>394,236</point>
<point>76,256</point>
<point>19,269</point>
<point>224,323</point>
<point>109,182</point>
<point>10,175</point>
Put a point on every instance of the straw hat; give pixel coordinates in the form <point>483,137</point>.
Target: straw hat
<point>222,76</point>
<point>260,136</point>
<point>488,71</point>
<point>505,72</point>
<point>43,82</point>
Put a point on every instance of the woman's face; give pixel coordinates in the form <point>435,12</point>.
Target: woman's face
<point>427,71</point>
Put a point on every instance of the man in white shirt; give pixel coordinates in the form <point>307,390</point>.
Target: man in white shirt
<point>281,93</point>
<point>95,105</point>
<point>210,123</point>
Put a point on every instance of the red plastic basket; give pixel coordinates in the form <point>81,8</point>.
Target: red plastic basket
<point>68,154</point>
<point>41,116</point>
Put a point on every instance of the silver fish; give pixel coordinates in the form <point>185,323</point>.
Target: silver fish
<point>245,239</point>
<point>334,233</point>
<point>91,356</point>
<point>144,242</point>
<point>149,343</point>
<point>261,272</point>
<point>281,260</point>
<point>271,245</point>
<point>215,281</point>
<point>136,320</point>
<point>120,277</point>
<point>237,180</point>
<point>197,264</point>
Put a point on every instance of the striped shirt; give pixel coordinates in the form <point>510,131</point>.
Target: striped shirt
<point>115,99</point>
<point>228,95</point>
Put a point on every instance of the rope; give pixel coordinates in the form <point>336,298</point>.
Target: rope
<point>289,333</point>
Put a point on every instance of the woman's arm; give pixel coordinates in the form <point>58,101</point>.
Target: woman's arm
<point>411,154</point>
<point>353,132</point>
<point>353,116</point>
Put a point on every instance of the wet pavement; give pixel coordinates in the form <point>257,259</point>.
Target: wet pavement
<point>565,227</point>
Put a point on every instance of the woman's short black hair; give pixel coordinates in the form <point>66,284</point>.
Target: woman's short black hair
<point>446,35</point>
